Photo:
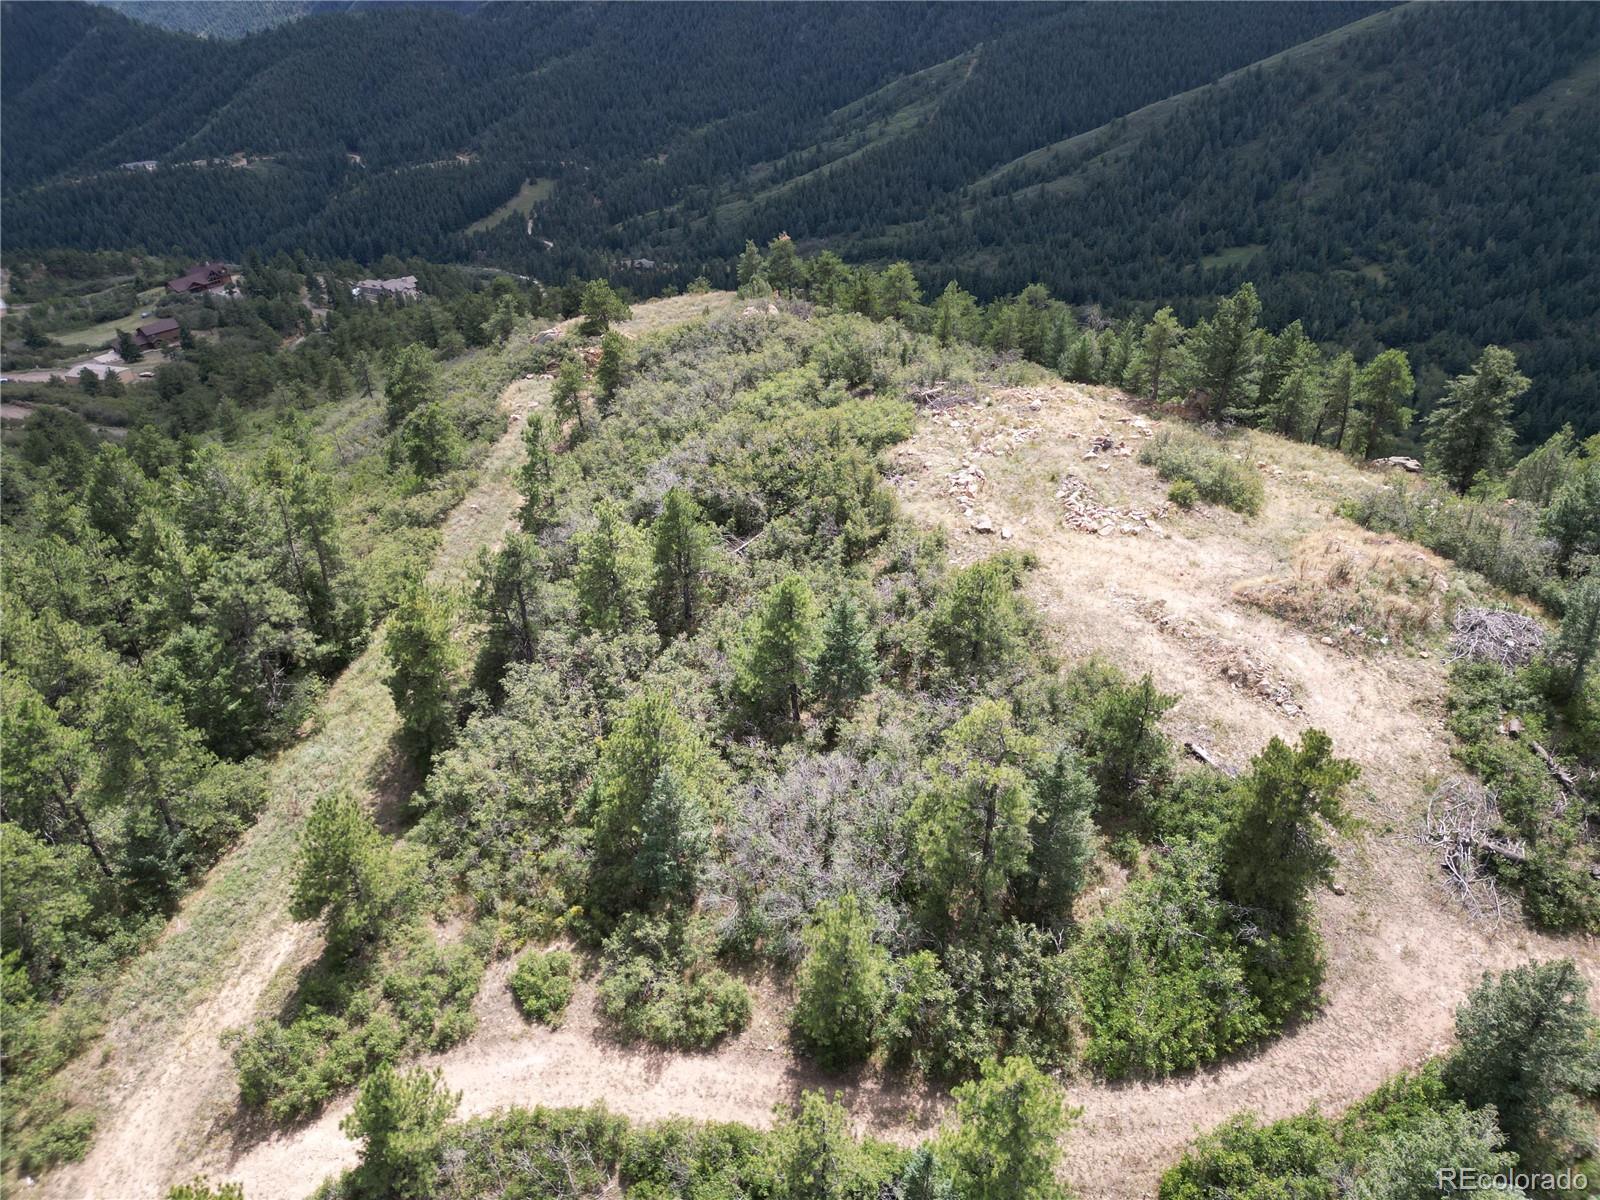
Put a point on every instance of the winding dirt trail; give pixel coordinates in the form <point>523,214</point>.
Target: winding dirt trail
<point>1401,957</point>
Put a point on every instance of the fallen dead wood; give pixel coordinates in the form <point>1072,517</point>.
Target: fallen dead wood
<point>1210,760</point>
<point>1565,779</point>
<point>1495,635</point>
<point>1458,827</point>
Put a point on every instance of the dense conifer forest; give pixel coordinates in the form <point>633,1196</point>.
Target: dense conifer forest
<point>1386,176</point>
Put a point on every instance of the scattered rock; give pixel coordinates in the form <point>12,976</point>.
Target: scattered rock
<point>982,524</point>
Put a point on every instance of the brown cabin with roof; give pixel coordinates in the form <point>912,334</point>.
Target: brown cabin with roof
<point>161,332</point>
<point>203,277</point>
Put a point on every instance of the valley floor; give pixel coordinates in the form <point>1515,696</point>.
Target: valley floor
<point>1401,955</point>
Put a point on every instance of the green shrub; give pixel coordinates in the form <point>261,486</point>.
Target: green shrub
<point>1502,542</point>
<point>543,983</point>
<point>1216,475</point>
<point>348,1018</point>
<point>1162,978</point>
<point>1184,494</point>
<point>658,983</point>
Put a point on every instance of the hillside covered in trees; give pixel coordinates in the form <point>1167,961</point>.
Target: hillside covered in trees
<point>1407,176</point>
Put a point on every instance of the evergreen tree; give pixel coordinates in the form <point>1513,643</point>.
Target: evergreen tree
<point>429,441</point>
<point>1079,365</point>
<point>536,478</point>
<point>1573,517</point>
<point>782,265</point>
<point>409,382</point>
<point>826,275</point>
<point>1224,355</point>
<point>611,575</point>
<point>1382,388</point>
<point>1469,431</point>
<point>336,383</point>
<point>1157,364</point>
<point>898,293</point>
<point>344,872</point>
<point>600,306</point>
<point>749,266</point>
<point>841,986</point>
<point>1008,1138</point>
<point>1274,852</point>
<point>611,369</point>
<point>650,740</point>
<point>955,316</point>
<point>1527,1045</point>
<point>816,1157</point>
<point>675,843</point>
<point>398,1119</point>
<point>1338,393</point>
<point>847,665</point>
<point>1579,639</point>
<point>421,651</point>
<point>678,542</point>
<point>970,824</point>
<point>509,597</point>
<point>566,394</point>
<point>1123,741</point>
<point>1063,836</point>
<point>128,349</point>
<point>778,650</point>
<point>977,623</point>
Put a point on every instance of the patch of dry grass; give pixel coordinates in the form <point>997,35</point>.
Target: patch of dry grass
<point>1360,587</point>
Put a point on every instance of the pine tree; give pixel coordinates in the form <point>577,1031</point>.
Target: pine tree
<point>509,596</point>
<point>841,986</point>
<point>955,315</point>
<point>409,383</point>
<point>650,739</point>
<point>778,649</point>
<point>679,542</point>
<point>898,293</point>
<point>1526,1045</point>
<point>970,823</point>
<point>977,624</point>
<point>611,574</point>
<point>1079,365</point>
<point>847,665</point>
<point>675,843</point>
<point>1573,517</point>
<point>566,394</point>
<point>1382,388</point>
<point>536,478</point>
<point>1338,391</point>
<point>749,266</point>
<point>600,306</point>
<point>344,872</point>
<point>1469,431</point>
<point>782,265</point>
<point>1275,852</point>
<point>398,1119</point>
<point>1224,354</point>
<point>1008,1138</point>
<point>127,349</point>
<point>429,441</point>
<point>1160,347</point>
<point>610,371</point>
<point>1579,640</point>
<point>1063,835</point>
<point>420,648</point>
<point>1123,740</point>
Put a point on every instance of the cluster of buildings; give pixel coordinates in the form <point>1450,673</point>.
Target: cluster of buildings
<point>202,277</point>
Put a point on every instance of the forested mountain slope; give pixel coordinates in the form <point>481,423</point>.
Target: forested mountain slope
<point>1407,176</point>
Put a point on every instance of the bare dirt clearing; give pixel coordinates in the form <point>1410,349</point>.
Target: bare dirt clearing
<point>1401,955</point>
